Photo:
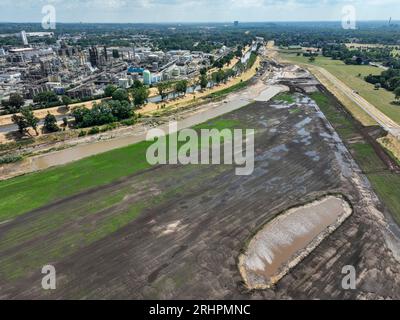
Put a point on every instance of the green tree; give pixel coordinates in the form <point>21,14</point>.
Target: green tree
<point>121,95</point>
<point>50,123</point>
<point>203,81</point>
<point>137,84</point>
<point>46,98</point>
<point>140,96</point>
<point>15,103</point>
<point>121,110</point>
<point>79,113</point>
<point>20,122</point>
<point>100,114</point>
<point>397,94</point>
<point>163,88</point>
<point>239,52</point>
<point>67,101</point>
<point>218,76</point>
<point>109,90</point>
<point>181,87</point>
<point>30,119</point>
<point>394,82</point>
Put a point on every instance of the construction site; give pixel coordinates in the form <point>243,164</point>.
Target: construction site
<point>191,232</point>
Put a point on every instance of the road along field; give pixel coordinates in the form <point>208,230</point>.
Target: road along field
<point>382,170</point>
<point>176,232</point>
<point>348,84</point>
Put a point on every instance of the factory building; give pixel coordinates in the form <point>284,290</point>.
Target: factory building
<point>125,83</point>
<point>94,57</point>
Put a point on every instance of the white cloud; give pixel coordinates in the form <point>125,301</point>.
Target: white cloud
<point>195,10</point>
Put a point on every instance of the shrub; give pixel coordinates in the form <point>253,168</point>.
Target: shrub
<point>82,134</point>
<point>128,122</point>
<point>109,127</point>
<point>50,123</point>
<point>10,159</point>
<point>94,130</point>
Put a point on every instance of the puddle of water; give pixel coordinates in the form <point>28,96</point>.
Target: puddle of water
<point>303,123</point>
<point>314,155</point>
<point>280,106</point>
<point>275,153</point>
<point>285,241</point>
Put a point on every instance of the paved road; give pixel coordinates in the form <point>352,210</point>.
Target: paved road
<point>383,120</point>
<point>13,127</point>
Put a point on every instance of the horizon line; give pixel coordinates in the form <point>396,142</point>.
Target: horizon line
<point>200,22</point>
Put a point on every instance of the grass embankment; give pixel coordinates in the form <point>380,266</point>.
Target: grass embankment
<point>392,146</point>
<point>353,76</point>
<point>224,92</point>
<point>384,182</point>
<point>25,193</point>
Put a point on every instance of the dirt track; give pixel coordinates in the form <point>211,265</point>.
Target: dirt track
<point>187,244</point>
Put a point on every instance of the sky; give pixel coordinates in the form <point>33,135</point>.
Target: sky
<point>157,11</point>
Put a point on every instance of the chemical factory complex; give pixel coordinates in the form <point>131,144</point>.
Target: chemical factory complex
<point>82,73</point>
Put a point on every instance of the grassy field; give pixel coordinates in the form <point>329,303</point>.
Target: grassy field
<point>385,183</point>
<point>26,193</point>
<point>353,76</point>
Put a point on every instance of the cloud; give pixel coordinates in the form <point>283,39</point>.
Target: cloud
<point>194,10</point>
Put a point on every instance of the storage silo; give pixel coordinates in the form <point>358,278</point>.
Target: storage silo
<point>147,77</point>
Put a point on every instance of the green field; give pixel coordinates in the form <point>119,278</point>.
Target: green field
<point>385,183</point>
<point>25,193</point>
<point>350,75</point>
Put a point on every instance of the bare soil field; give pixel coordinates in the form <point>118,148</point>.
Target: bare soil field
<point>176,232</point>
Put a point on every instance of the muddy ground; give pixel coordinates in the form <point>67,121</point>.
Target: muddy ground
<point>186,244</point>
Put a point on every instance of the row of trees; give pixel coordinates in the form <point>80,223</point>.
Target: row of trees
<point>181,87</point>
<point>384,55</point>
<point>120,107</point>
<point>137,94</point>
<point>389,79</point>
<point>44,100</point>
<point>225,60</point>
<point>103,113</point>
<point>27,119</point>
<point>167,87</point>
